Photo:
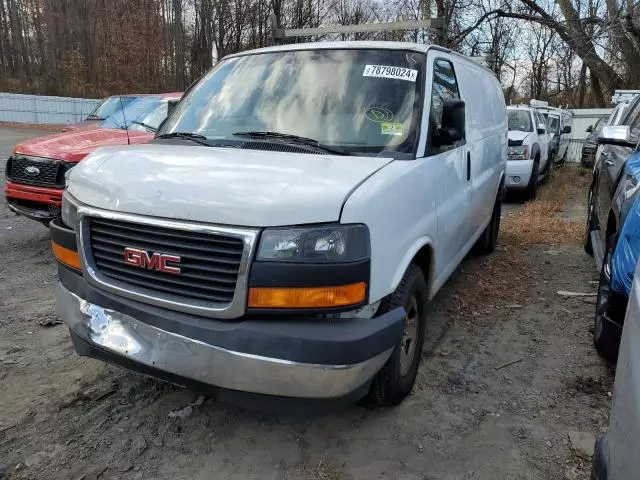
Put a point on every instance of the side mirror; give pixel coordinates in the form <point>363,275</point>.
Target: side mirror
<point>541,129</point>
<point>620,135</point>
<point>566,129</point>
<point>453,122</point>
<point>171,105</point>
<point>590,129</point>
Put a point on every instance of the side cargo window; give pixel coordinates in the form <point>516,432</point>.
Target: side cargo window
<point>444,87</point>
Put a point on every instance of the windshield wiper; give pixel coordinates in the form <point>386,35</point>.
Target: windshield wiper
<point>286,137</point>
<point>144,125</point>
<point>94,117</point>
<point>194,137</point>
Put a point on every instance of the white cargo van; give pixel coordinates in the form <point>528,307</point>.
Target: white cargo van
<point>284,232</point>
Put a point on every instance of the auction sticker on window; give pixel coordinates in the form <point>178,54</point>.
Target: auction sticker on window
<point>384,71</point>
<point>391,128</point>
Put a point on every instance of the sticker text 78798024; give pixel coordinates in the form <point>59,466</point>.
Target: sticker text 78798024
<point>385,71</point>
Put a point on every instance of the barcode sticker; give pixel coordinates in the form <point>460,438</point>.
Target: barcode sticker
<point>384,71</point>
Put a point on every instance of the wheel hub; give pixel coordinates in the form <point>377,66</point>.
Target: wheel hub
<point>410,336</point>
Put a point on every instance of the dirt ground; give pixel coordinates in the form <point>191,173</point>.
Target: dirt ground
<point>473,414</point>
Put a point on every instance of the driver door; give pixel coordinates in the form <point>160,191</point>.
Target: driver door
<point>453,182</point>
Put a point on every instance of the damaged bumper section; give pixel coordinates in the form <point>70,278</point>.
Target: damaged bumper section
<point>289,357</point>
<point>518,173</point>
<point>37,203</point>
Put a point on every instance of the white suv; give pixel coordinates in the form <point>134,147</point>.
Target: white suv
<point>528,150</point>
<point>285,230</point>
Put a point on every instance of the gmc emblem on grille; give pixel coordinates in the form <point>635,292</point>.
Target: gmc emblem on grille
<point>155,261</point>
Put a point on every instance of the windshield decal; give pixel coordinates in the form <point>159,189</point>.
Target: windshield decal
<point>391,128</point>
<point>396,73</point>
<point>379,114</point>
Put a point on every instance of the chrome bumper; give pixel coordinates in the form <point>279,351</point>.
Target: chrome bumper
<point>136,341</point>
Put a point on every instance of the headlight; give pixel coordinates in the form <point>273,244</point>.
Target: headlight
<point>520,152</point>
<point>66,177</point>
<point>69,211</point>
<point>332,243</point>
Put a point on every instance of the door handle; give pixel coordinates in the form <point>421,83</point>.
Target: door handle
<point>608,163</point>
<point>468,166</point>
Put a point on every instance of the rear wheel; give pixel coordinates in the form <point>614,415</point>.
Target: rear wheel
<point>610,310</point>
<point>396,379</point>
<point>489,239</point>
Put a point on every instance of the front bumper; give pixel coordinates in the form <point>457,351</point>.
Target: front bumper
<point>518,174</point>
<point>302,358</point>
<point>37,203</point>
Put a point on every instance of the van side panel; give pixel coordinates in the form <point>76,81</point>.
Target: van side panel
<point>487,139</point>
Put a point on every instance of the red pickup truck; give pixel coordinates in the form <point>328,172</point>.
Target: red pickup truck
<point>36,169</point>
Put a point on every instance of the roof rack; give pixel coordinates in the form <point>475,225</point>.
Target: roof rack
<point>620,96</point>
<point>279,34</point>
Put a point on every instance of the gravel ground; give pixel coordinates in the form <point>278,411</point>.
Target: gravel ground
<point>67,417</point>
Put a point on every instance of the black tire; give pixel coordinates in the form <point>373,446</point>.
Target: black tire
<point>531,191</point>
<point>609,316</point>
<point>591,224</point>
<point>396,378</point>
<point>487,242</point>
<point>548,169</point>
<point>563,160</point>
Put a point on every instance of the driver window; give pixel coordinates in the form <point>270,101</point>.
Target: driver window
<point>444,87</point>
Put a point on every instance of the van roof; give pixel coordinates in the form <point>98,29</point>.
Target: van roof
<point>519,107</point>
<point>358,44</point>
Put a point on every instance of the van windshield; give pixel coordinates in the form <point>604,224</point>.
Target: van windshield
<point>520,120</point>
<point>361,101</point>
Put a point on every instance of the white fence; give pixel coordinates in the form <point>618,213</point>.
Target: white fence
<point>582,119</point>
<point>42,109</point>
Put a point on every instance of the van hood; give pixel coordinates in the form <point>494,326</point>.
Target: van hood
<point>226,186</point>
<point>73,146</point>
<point>518,136</point>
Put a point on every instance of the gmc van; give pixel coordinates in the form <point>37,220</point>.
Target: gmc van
<point>284,231</point>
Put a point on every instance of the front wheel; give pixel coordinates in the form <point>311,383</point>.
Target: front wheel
<point>532,188</point>
<point>591,224</point>
<point>396,378</point>
<point>610,310</point>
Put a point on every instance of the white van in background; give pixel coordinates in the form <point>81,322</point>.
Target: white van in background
<point>297,211</point>
<point>559,129</point>
<point>529,161</point>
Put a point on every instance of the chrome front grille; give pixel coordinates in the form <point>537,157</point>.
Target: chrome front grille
<point>213,261</point>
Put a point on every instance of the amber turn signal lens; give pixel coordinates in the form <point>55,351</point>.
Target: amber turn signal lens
<point>309,297</point>
<point>66,256</point>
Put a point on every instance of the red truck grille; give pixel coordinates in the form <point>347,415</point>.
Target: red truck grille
<point>43,172</point>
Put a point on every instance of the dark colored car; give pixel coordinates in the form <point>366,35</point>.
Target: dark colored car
<point>590,144</point>
<point>612,232</point>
